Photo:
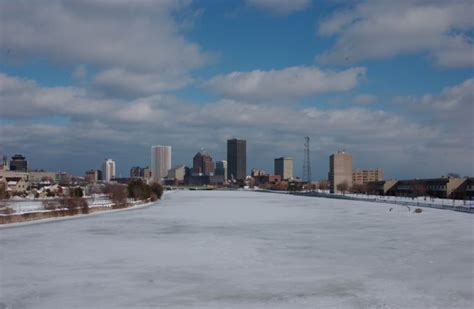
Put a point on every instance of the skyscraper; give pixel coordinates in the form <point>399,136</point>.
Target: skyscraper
<point>108,170</point>
<point>18,163</point>
<point>202,164</point>
<point>237,159</point>
<point>340,170</point>
<point>284,167</point>
<point>160,162</point>
<point>221,169</point>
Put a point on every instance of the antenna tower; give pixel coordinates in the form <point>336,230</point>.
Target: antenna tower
<point>307,161</point>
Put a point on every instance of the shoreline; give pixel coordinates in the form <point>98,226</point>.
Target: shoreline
<point>78,216</point>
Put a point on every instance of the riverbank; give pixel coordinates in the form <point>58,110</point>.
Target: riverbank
<point>15,220</point>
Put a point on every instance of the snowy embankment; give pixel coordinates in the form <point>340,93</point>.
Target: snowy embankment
<point>237,249</point>
<point>27,211</point>
<point>450,204</point>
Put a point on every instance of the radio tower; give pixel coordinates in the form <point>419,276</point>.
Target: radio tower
<point>306,162</point>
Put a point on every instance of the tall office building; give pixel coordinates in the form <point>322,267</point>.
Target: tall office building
<point>340,170</point>
<point>221,169</point>
<point>108,170</point>
<point>202,164</point>
<point>284,167</point>
<point>160,162</point>
<point>18,163</point>
<point>237,159</point>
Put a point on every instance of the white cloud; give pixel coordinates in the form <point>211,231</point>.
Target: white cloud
<point>22,98</point>
<point>364,99</point>
<point>280,7</point>
<point>80,72</point>
<point>287,83</point>
<point>100,127</point>
<point>454,105</point>
<point>140,40</point>
<point>121,82</point>
<point>381,29</point>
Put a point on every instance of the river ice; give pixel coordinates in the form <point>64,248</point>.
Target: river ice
<point>239,249</point>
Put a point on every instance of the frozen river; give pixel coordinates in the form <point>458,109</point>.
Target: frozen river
<point>232,249</point>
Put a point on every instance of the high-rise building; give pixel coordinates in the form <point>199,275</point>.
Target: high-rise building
<point>18,163</point>
<point>5,166</point>
<point>136,172</point>
<point>177,173</point>
<point>284,167</point>
<point>160,162</point>
<point>340,171</point>
<point>202,164</point>
<point>237,159</point>
<point>363,176</point>
<point>221,169</point>
<point>108,170</point>
<point>146,173</point>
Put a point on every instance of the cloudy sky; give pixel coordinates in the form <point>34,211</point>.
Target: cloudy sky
<point>392,82</point>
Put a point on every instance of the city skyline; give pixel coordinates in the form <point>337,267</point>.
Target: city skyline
<point>267,72</point>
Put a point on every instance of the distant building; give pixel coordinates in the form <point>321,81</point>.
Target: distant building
<point>147,173</point>
<point>284,167</point>
<point>340,170</point>
<point>92,176</point>
<point>364,176</point>
<point>221,169</point>
<point>444,187</point>
<point>136,172</point>
<point>177,173</point>
<point>257,173</point>
<point>5,166</point>
<point>266,179</point>
<point>36,177</point>
<point>202,164</point>
<point>160,162</point>
<point>237,159</point>
<point>16,184</point>
<point>108,170</point>
<point>18,163</point>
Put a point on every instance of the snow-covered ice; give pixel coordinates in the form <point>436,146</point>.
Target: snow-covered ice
<point>237,249</point>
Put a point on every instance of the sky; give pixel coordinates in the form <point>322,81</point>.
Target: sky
<point>391,82</point>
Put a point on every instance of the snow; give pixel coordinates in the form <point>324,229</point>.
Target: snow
<point>241,249</point>
<point>24,205</point>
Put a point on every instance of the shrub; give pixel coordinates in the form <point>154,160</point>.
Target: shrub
<point>418,210</point>
<point>3,191</point>
<point>118,194</point>
<point>157,189</point>
<point>76,192</point>
<point>74,204</point>
<point>138,190</point>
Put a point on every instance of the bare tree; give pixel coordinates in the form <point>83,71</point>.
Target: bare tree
<point>323,185</point>
<point>118,194</point>
<point>3,191</point>
<point>343,187</point>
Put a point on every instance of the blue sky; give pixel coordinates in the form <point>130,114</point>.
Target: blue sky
<point>390,82</point>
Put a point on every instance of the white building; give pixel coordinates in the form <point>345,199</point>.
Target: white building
<point>221,168</point>
<point>160,162</point>
<point>284,167</point>
<point>108,170</point>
